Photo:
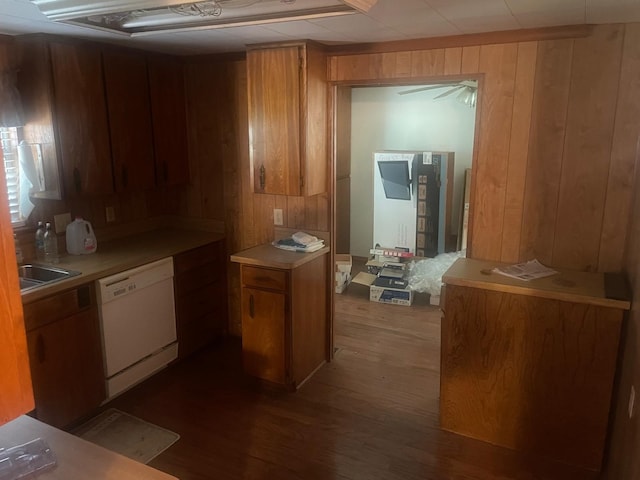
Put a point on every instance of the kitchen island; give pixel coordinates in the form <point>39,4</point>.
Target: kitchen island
<point>530,365</point>
<point>76,458</point>
<point>285,334</point>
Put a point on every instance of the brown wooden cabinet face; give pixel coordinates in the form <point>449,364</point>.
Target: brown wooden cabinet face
<point>129,109</point>
<point>81,117</point>
<point>201,296</point>
<point>66,368</point>
<point>274,119</point>
<point>264,334</point>
<point>528,373</point>
<point>169,119</point>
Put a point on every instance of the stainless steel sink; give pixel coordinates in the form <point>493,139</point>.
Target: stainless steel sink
<point>33,275</point>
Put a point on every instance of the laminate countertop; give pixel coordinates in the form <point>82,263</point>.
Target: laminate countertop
<point>267,255</point>
<point>76,458</point>
<point>572,286</point>
<point>122,254</point>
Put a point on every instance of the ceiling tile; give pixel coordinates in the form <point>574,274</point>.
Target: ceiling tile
<point>385,9</point>
<point>550,19</point>
<point>544,13</point>
<point>469,8</point>
<point>612,11</point>
<point>296,28</point>
<point>486,23</point>
<point>253,34</point>
<point>356,27</point>
<point>543,6</point>
<point>387,20</point>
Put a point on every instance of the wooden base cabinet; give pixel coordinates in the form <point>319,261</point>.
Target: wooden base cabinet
<point>284,321</point>
<point>200,284</point>
<point>65,355</point>
<point>529,365</point>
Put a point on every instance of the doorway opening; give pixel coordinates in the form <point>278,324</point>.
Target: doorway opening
<point>398,123</point>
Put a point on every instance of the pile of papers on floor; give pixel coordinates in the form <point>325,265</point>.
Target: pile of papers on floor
<point>300,242</point>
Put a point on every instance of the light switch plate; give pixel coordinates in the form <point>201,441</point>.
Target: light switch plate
<point>61,221</point>
<point>277,216</point>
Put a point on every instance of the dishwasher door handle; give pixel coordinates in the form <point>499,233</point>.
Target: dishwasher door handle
<point>115,282</point>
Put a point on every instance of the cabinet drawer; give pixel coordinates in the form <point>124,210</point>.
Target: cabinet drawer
<point>198,278</point>
<point>264,278</point>
<point>210,253</point>
<point>58,306</point>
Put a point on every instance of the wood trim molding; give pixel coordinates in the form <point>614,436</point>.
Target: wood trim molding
<point>474,39</point>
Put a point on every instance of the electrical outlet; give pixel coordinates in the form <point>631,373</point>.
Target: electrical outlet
<point>277,216</point>
<point>61,221</point>
<point>110,214</point>
<point>632,401</point>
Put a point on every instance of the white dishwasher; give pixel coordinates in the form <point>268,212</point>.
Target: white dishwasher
<point>137,317</point>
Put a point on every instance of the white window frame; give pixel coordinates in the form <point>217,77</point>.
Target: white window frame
<point>9,139</point>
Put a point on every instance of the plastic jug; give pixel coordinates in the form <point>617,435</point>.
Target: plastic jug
<point>80,237</point>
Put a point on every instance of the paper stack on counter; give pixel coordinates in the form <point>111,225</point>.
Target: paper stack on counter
<point>526,271</point>
<point>300,242</point>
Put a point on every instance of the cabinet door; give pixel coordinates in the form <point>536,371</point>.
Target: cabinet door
<point>274,119</point>
<point>66,367</point>
<point>81,117</point>
<point>263,335</point>
<point>169,119</point>
<point>127,89</point>
<point>201,296</point>
<point>36,94</point>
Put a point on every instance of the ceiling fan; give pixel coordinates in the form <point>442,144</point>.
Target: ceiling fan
<point>466,90</point>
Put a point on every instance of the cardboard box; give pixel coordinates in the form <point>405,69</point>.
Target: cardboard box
<point>383,293</point>
<point>395,296</point>
<point>343,266</point>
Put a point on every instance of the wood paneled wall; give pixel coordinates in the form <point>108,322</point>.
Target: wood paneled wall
<point>219,156</point>
<point>555,121</point>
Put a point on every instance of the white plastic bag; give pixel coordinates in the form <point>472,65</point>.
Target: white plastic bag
<point>426,275</point>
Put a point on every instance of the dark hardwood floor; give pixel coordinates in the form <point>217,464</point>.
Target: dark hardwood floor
<point>372,413</point>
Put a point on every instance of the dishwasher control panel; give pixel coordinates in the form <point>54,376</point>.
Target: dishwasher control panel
<point>125,283</point>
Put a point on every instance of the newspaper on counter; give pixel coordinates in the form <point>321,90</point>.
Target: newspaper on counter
<point>526,271</point>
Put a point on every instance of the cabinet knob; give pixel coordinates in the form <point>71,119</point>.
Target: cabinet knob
<point>251,306</point>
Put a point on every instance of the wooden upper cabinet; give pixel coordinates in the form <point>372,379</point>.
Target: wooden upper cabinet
<point>287,93</point>
<point>129,110</point>
<point>81,117</point>
<point>169,120</point>
<point>36,94</point>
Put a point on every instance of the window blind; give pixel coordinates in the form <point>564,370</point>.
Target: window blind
<point>9,140</point>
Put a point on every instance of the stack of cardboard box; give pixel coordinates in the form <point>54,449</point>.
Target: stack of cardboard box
<point>386,277</point>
